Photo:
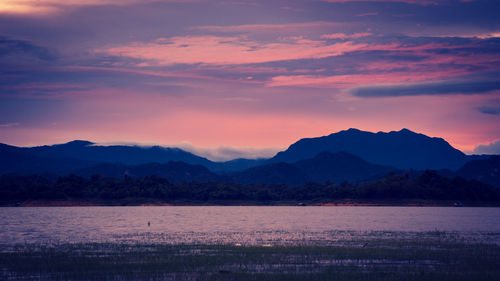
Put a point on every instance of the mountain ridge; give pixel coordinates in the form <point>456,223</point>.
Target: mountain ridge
<point>402,149</point>
<point>397,150</point>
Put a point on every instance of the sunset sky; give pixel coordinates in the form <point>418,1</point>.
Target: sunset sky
<point>247,78</point>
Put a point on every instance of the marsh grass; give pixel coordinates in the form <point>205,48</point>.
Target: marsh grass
<point>377,256</point>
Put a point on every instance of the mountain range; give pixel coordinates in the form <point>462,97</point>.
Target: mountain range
<point>350,155</point>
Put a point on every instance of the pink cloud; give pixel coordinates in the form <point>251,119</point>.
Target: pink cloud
<point>219,50</point>
<point>345,36</point>
<point>227,50</point>
<point>273,28</point>
<point>230,54</point>
<point>354,80</point>
<point>434,67</point>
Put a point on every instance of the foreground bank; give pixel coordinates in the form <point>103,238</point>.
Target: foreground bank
<point>424,256</point>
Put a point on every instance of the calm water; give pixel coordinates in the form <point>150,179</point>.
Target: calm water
<point>246,225</point>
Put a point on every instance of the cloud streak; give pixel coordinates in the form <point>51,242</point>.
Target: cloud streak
<point>437,88</point>
<point>22,49</point>
<point>276,28</point>
<point>345,36</point>
<point>491,110</point>
<point>9,125</point>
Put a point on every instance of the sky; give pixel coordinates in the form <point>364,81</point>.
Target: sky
<point>230,79</point>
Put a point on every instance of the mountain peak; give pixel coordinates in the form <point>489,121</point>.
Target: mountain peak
<point>402,149</point>
<point>353,130</point>
<point>406,131</point>
<point>78,143</point>
<point>350,131</point>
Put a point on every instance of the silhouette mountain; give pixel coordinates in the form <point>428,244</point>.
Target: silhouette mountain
<point>403,149</point>
<point>483,170</point>
<point>77,156</point>
<point>16,160</point>
<point>334,167</point>
<point>130,155</point>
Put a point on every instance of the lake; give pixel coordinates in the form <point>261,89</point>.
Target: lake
<point>237,224</point>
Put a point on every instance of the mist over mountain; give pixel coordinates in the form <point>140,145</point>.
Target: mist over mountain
<point>402,149</point>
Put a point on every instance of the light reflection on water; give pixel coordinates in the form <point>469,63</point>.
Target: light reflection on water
<point>235,224</point>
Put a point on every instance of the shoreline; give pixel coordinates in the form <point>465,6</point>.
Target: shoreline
<point>329,203</point>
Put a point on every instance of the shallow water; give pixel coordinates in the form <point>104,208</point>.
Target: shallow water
<point>236,224</point>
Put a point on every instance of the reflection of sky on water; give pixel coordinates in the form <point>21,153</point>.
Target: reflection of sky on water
<point>246,225</point>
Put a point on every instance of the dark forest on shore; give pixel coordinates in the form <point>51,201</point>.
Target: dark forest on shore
<point>427,186</point>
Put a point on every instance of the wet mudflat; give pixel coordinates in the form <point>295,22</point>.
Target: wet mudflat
<point>382,255</point>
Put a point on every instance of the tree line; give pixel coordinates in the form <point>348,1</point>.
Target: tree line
<point>427,186</point>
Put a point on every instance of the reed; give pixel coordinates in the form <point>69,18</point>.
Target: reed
<point>447,257</point>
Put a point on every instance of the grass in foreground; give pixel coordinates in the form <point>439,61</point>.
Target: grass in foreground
<point>377,259</point>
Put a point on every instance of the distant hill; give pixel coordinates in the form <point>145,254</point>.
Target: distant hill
<point>235,165</point>
<point>275,173</point>
<point>78,156</point>
<point>403,149</point>
<point>483,170</point>
<point>130,155</point>
<point>334,167</point>
<point>172,171</point>
<point>61,159</point>
<point>15,160</point>
<point>342,166</point>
